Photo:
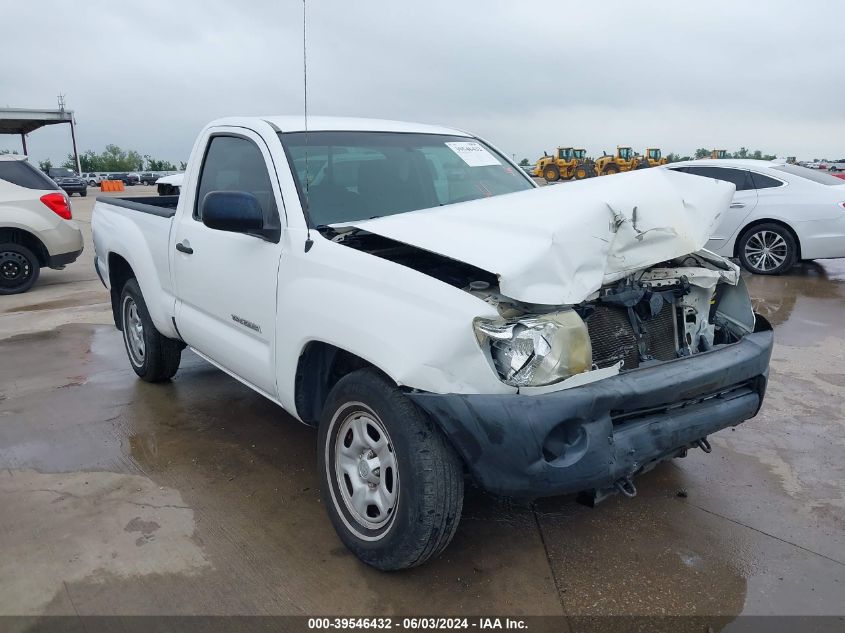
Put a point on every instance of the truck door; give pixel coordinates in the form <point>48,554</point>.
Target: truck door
<point>743,203</point>
<point>226,282</point>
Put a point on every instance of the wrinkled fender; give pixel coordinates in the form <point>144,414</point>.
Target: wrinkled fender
<point>142,240</point>
<point>414,328</point>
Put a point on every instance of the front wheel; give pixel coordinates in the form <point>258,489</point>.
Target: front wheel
<point>19,268</point>
<point>155,358</point>
<point>767,249</point>
<point>392,485</point>
<point>551,173</point>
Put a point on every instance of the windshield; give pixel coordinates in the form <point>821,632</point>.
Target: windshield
<point>809,174</point>
<point>362,175</point>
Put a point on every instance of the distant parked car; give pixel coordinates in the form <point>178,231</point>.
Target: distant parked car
<point>780,213</point>
<point>149,178</point>
<point>68,180</point>
<point>170,185</point>
<point>127,179</point>
<point>91,178</point>
<point>36,225</point>
<point>837,166</point>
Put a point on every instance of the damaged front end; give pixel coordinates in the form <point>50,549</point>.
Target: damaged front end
<point>641,371</point>
<point>624,342</point>
<point>675,309</point>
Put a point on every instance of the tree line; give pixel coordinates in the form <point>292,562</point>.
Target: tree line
<point>702,152</point>
<point>113,158</point>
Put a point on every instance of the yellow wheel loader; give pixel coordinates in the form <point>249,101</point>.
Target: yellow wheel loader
<point>624,160</point>
<point>567,162</point>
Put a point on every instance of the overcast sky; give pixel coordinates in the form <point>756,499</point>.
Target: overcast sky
<point>527,76</point>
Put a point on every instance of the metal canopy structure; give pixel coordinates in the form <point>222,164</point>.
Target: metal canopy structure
<point>23,121</point>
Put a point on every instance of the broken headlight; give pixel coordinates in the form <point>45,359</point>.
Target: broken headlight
<point>537,350</point>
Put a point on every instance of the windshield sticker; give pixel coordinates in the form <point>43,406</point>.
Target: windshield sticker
<point>473,154</point>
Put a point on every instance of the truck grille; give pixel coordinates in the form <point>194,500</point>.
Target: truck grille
<point>613,338</point>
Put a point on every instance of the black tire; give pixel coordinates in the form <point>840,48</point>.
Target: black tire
<point>551,173</point>
<point>583,171</point>
<point>427,483</point>
<point>612,168</point>
<point>782,250</point>
<point>84,194</point>
<point>157,359</point>
<point>19,268</point>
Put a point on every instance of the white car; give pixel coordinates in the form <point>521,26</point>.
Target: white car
<point>412,293</point>
<point>170,185</point>
<point>36,225</point>
<point>780,213</point>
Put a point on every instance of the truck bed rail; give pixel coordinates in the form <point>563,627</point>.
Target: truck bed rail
<point>163,206</point>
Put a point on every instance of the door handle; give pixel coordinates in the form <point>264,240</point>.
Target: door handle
<point>737,205</point>
<point>184,247</point>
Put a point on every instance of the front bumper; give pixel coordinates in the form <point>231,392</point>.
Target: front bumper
<point>588,438</point>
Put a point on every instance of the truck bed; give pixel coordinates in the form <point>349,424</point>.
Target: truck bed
<point>163,206</point>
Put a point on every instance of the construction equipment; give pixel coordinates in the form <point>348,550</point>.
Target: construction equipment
<point>654,157</point>
<point>719,153</point>
<point>568,162</point>
<point>626,159</point>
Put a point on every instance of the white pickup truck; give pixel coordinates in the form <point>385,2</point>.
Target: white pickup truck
<point>408,290</point>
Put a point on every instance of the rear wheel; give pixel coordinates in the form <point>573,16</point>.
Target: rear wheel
<point>767,249</point>
<point>612,168</point>
<point>19,268</point>
<point>551,173</point>
<point>155,358</point>
<point>392,485</point>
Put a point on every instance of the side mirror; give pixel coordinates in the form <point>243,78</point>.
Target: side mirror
<point>234,211</point>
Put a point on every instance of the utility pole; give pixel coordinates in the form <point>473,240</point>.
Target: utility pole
<point>61,99</point>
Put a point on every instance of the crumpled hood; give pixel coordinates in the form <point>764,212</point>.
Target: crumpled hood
<point>557,245</point>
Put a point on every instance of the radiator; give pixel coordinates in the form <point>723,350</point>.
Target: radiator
<point>613,338</point>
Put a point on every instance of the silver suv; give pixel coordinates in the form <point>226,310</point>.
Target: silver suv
<point>36,225</point>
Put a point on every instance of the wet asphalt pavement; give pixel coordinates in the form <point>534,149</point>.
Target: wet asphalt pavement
<point>200,496</point>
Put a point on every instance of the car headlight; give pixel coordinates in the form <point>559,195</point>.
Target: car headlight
<point>538,350</point>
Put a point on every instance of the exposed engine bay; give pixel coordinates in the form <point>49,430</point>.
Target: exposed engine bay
<point>675,309</point>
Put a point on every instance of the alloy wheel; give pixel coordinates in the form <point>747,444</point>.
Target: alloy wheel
<point>766,251</point>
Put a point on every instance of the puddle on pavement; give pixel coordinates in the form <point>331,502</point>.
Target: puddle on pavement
<point>805,305</point>
<point>240,475</point>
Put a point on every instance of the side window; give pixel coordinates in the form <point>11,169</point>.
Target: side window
<point>233,163</point>
<point>764,182</point>
<point>22,174</point>
<point>739,177</point>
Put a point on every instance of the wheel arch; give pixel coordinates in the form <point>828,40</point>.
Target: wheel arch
<point>23,237</point>
<point>120,271</point>
<point>758,222</point>
<point>321,365</point>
